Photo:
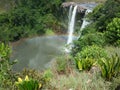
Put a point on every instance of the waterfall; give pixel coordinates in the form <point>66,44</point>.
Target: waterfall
<point>71,17</point>
<point>71,24</point>
<point>85,22</point>
<point>70,14</point>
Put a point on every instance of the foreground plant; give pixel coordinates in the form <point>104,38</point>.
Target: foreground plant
<point>6,74</point>
<point>84,64</point>
<point>109,68</point>
<point>28,84</point>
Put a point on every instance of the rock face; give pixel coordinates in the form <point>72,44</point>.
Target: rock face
<point>67,4</point>
<point>79,8</point>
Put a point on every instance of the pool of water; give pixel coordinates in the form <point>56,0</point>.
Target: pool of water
<point>37,52</point>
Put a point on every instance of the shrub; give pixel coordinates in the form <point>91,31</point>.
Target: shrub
<point>88,56</point>
<point>4,62</point>
<point>109,67</point>
<point>103,14</point>
<point>47,76</point>
<point>28,84</point>
<point>94,52</point>
<point>113,31</point>
<point>89,40</point>
<point>84,64</point>
<point>7,77</point>
<point>49,32</point>
<point>42,77</point>
<point>61,64</point>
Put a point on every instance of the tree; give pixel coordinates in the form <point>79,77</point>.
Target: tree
<point>104,14</point>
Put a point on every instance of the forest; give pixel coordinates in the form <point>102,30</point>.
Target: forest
<point>94,60</point>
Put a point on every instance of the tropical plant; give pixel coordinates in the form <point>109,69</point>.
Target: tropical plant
<point>109,67</point>
<point>28,84</point>
<point>84,64</point>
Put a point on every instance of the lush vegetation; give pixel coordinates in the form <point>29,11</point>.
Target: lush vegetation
<point>90,53</point>
<point>91,65</point>
<point>28,18</point>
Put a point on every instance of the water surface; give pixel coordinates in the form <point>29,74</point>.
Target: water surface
<point>38,52</point>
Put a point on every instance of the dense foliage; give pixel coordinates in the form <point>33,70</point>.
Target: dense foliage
<point>103,14</point>
<point>113,31</point>
<point>6,78</point>
<point>104,29</point>
<point>35,17</point>
<point>30,18</point>
<point>110,67</point>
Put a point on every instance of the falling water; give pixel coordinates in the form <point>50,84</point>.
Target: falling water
<point>71,26</point>
<point>85,22</point>
<point>70,14</point>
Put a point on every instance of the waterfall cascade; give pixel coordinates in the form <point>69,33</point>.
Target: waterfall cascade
<point>71,23</point>
<point>85,22</point>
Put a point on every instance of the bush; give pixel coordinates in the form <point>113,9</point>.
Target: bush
<point>61,63</point>
<point>6,75</point>
<point>103,14</point>
<point>47,76</point>
<point>113,31</point>
<point>94,52</point>
<point>88,40</point>
<point>49,32</point>
<point>109,67</point>
<point>28,84</point>
<point>88,56</point>
<point>42,78</point>
<point>84,64</point>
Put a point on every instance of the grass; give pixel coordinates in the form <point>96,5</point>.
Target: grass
<point>72,79</point>
<point>111,50</point>
<point>79,81</point>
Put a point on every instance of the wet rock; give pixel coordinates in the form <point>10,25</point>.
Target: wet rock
<point>79,7</point>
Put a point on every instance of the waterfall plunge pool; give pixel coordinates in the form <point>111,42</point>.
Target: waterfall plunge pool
<point>38,52</point>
